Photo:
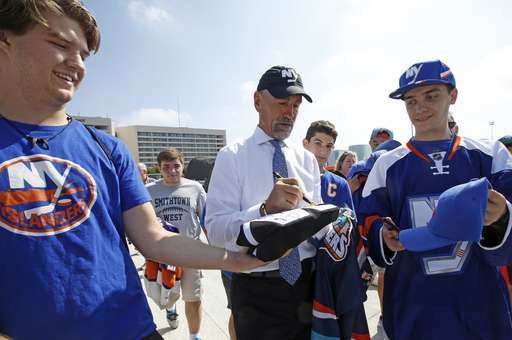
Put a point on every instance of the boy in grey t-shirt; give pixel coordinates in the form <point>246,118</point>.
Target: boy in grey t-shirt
<point>180,202</point>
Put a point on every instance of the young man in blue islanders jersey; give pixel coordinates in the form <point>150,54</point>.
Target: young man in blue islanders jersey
<point>65,203</point>
<point>320,139</point>
<point>452,289</point>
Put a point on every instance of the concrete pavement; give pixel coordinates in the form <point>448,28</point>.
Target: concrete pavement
<point>216,314</point>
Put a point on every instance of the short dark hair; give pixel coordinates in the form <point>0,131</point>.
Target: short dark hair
<point>450,88</point>
<point>20,16</point>
<point>323,126</point>
<point>169,154</point>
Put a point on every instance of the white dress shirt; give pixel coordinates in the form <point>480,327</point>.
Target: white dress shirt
<point>242,179</point>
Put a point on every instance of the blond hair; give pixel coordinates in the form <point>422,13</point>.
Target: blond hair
<point>342,157</point>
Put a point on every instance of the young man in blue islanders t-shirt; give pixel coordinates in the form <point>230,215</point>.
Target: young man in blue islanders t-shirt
<point>320,139</point>
<point>65,202</point>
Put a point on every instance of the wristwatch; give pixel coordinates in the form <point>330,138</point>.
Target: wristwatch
<point>263,211</point>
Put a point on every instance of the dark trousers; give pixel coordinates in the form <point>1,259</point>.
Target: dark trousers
<point>270,308</point>
<point>153,336</point>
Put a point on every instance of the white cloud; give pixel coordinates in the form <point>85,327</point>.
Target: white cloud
<point>157,117</point>
<point>155,18</point>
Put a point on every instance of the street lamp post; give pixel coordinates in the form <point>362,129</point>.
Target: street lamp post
<point>491,124</point>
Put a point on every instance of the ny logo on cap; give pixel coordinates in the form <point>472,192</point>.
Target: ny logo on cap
<point>289,73</point>
<point>413,71</point>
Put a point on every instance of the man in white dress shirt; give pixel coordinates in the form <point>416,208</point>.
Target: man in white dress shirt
<point>242,189</point>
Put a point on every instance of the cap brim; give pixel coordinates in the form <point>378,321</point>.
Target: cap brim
<point>284,92</point>
<point>421,239</point>
<point>399,93</point>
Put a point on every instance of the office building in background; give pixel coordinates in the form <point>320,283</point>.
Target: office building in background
<point>145,142</point>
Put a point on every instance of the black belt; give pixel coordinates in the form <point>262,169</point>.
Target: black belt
<point>273,274</point>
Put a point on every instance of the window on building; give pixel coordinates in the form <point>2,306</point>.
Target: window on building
<point>143,133</point>
<point>174,135</point>
<point>144,139</point>
<point>162,134</point>
<point>145,144</point>
<point>188,135</point>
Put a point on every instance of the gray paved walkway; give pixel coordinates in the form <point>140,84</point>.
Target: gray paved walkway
<point>215,313</point>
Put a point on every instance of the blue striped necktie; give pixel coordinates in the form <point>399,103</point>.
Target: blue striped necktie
<point>289,266</point>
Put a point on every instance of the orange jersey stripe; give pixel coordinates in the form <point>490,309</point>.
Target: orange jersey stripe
<point>455,146</point>
<point>355,336</point>
<point>151,271</point>
<point>368,223</point>
<point>322,309</point>
<point>413,149</point>
<point>505,274</point>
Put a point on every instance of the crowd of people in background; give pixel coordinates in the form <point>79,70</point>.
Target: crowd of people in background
<point>295,240</point>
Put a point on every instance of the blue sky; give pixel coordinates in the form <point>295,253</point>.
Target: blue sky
<point>209,55</point>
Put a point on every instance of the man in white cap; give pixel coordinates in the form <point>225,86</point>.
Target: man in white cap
<point>380,135</point>
<point>455,290</point>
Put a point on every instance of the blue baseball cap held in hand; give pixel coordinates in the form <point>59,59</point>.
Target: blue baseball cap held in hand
<point>421,74</point>
<point>459,216</point>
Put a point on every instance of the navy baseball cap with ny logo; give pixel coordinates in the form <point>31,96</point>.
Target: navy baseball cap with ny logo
<point>421,74</point>
<point>282,82</point>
